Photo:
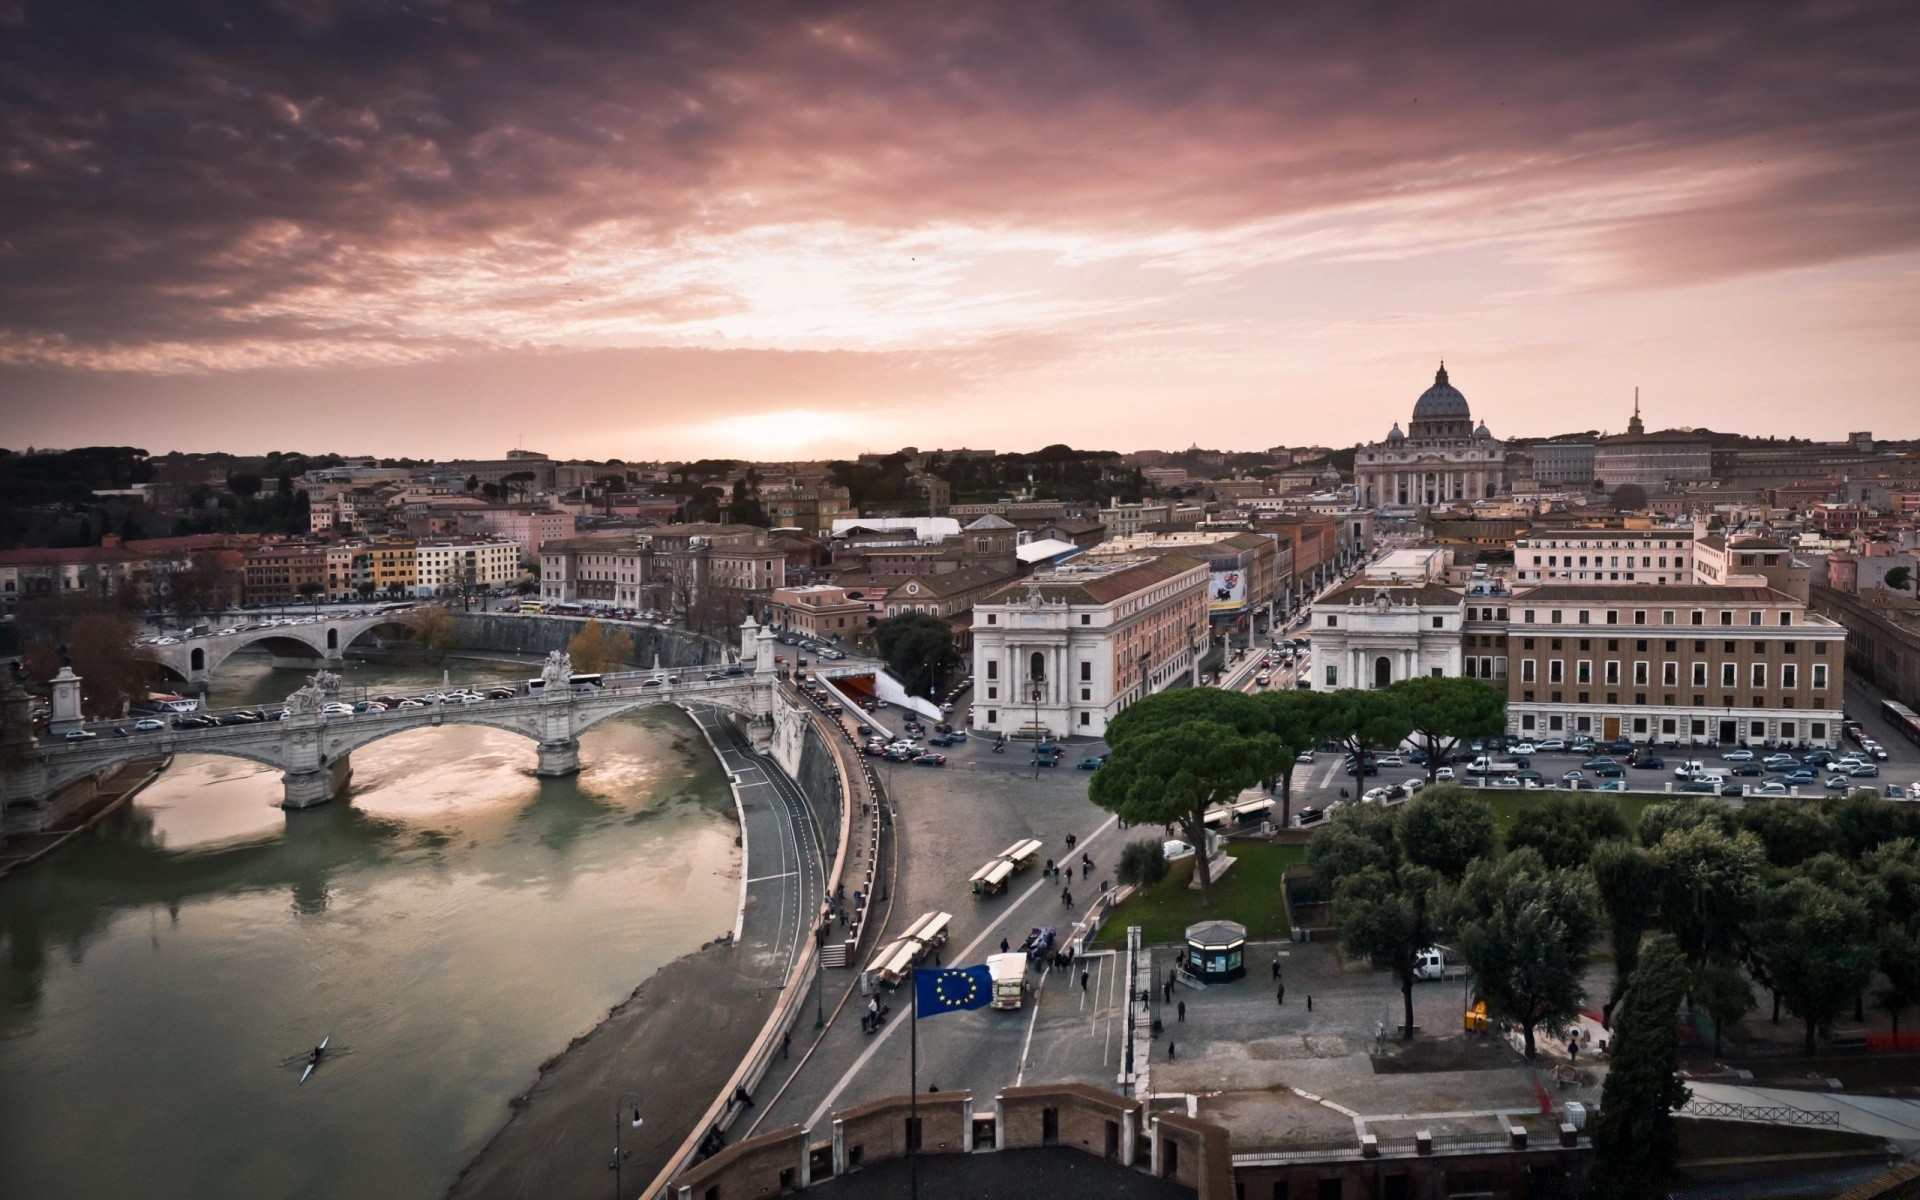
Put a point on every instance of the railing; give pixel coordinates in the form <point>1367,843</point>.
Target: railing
<point>1775,1114</point>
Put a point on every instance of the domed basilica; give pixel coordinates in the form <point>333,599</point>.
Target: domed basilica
<point>1443,457</point>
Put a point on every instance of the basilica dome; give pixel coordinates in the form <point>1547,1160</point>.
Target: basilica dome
<point>1441,412</point>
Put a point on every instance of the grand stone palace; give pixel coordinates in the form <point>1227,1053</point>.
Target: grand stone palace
<point>1442,457</point>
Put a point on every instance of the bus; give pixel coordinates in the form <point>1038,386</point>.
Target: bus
<point>531,608</point>
<point>1901,718</point>
<point>578,682</point>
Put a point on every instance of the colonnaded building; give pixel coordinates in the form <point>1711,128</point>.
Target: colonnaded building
<point>1442,457</point>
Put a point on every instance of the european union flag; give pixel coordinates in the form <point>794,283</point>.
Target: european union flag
<point>945,989</point>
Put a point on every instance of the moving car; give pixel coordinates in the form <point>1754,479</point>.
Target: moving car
<point>1092,762</point>
<point>1737,756</point>
<point>81,735</point>
<point>930,759</point>
<point>149,724</point>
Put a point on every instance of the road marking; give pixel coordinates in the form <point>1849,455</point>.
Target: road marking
<point>1033,1019</point>
<point>880,1039</point>
<point>781,875</point>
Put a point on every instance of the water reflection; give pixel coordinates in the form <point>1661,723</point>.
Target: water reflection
<point>452,924</point>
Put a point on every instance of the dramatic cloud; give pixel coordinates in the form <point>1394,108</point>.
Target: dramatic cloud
<point>1081,204</point>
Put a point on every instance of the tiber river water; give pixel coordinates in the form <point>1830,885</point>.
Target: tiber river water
<point>451,925</point>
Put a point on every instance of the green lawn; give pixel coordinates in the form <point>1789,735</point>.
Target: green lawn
<point>1250,894</point>
<point>1507,805</point>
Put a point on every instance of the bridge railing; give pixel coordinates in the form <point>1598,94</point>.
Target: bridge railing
<point>172,736</point>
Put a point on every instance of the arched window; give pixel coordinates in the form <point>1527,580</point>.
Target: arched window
<point>1037,666</point>
<point>1382,672</point>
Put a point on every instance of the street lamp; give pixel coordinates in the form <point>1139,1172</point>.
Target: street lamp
<point>619,1155</point>
<point>1037,688</point>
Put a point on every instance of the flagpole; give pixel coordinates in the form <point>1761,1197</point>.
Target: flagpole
<point>913,1095</point>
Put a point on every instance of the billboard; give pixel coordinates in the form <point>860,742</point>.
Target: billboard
<point>1229,591</point>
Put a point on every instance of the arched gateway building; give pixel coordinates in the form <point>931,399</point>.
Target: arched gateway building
<point>1443,456</point>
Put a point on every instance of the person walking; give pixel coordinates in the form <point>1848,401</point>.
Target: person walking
<point>1003,945</point>
<point>1280,994</point>
<point>1276,968</point>
<point>1083,983</point>
<point>1309,1001</point>
<point>1183,1012</point>
<point>1170,1053</point>
<point>1066,897</point>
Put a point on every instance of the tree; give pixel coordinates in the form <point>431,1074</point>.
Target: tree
<point>433,629</point>
<point>1898,956</point>
<point>1361,720</point>
<point>1657,820</point>
<point>103,646</point>
<point>1387,915</point>
<point>1899,578</point>
<point>1709,883</point>
<point>1629,497</point>
<point>1446,828</point>
<point>1175,773</point>
<point>1791,830</point>
<point>1296,718</point>
<point>1723,993</point>
<point>1525,931</point>
<point>211,582</point>
<point>1445,713</point>
<point>1635,1147</point>
<point>1565,828</point>
<point>919,650</point>
<point>244,486</point>
<point>596,648</point>
<point>311,591</point>
<point>1818,946</point>
<point>1628,880</point>
<point>1142,864</point>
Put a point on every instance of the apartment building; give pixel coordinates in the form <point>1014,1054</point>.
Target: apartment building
<point>675,568</point>
<point>394,567</point>
<point>1695,664</point>
<point>1604,556</point>
<point>286,572</point>
<point>1247,571</point>
<point>443,566</point>
<point>1063,651</point>
<point>349,571</point>
<point>527,527</point>
<point>820,610</point>
<point>810,508</point>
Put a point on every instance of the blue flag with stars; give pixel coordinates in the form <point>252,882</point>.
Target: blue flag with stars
<point>948,989</point>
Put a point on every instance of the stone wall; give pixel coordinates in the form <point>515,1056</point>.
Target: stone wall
<point>821,785</point>
<point>540,636</point>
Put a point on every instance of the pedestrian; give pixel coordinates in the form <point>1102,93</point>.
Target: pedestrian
<point>786,1040</point>
<point>1170,1054</point>
<point>1276,968</point>
<point>1069,841</point>
<point>1049,868</point>
<point>1183,1012</point>
<point>1083,983</point>
<point>1309,1001</point>
<point>1280,994</point>
<point>1066,897</point>
<point>1003,945</point>
<point>1573,1051</point>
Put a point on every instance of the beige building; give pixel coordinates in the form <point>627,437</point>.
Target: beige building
<point>1062,652</point>
<point>1653,461</point>
<point>820,610</point>
<point>1604,556</point>
<point>444,566</point>
<point>1694,664</point>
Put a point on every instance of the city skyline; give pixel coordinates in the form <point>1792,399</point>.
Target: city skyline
<point>758,234</point>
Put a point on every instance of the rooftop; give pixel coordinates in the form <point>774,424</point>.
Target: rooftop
<point>1096,583</point>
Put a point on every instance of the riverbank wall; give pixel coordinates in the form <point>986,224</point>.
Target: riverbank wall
<point>540,636</point>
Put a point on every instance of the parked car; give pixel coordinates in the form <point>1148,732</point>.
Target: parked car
<point>1865,771</point>
<point>1443,775</point>
<point>1093,762</point>
<point>1574,776</point>
<point>1554,745</point>
<point>930,759</point>
<point>1524,748</point>
<point>1772,787</point>
<point>1648,762</point>
<point>81,735</point>
<point>1796,778</point>
<point>1839,783</point>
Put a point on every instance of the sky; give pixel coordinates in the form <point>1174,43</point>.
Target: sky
<point>668,230</point>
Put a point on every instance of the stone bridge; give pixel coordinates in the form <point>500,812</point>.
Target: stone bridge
<point>306,642</point>
<point>313,750</point>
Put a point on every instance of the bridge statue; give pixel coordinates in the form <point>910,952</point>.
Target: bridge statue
<point>558,670</point>
<point>323,687</point>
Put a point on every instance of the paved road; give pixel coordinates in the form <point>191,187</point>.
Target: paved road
<point>950,821</point>
<point>786,883</point>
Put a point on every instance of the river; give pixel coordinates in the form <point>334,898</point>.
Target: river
<point>451,924</point>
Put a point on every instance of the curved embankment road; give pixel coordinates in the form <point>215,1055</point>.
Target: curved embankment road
<point>680,1040</point>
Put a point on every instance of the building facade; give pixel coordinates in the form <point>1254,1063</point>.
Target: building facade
<point>1064,651</point>
<point>1692,664</point>
<point>1372,634</point>
<point>1604,556</point>
<point>1654,461</point>
<point>1567,464</point>
<point>451,565</point>
<point>1442,457</point>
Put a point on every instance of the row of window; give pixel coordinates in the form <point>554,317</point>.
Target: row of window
<point>1725,729</point>
<point>1670,673</point>
<point>1668,616</point>
<point>1613,560</point>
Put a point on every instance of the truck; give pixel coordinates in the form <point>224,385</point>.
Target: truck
<point>1431,964</point>
<point>1487,766</point>
<point>1009,972</point>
